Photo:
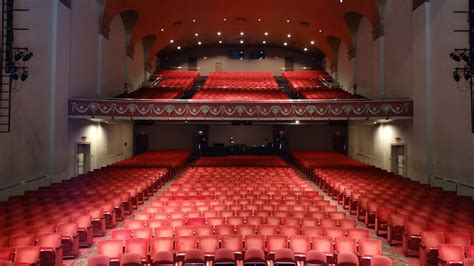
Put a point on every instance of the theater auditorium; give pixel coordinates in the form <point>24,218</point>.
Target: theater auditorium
<point>237,132</point>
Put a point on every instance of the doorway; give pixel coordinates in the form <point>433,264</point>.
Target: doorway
<point>398,159</point>
<point>218,66</point>
<point>82,158</point>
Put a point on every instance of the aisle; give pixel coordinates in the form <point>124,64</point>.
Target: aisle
<point>394,253</point>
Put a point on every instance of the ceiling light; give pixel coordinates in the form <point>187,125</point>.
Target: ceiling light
<point>340,1</point>
<point>320,30</point>
<point>287,21</point>
<point>179,47</point>
<point>259,19</point>
<point>162,29</point>
<point>196,34</point>
<point>171,41</point>
<point>199,43</point>
<point>289,35</point>
<point>241,41</point>
<point>285,44</point>
<point>220,41</point>
<point>312,42</point>
<point>305,49</point>
<point>219,33</point>
<point>266,33</point>
<point>264,42</point>
<point>225,19</point>
<point>241,33</point>
<point>194,20</point>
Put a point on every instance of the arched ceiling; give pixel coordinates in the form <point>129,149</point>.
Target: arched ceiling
<point>309,22</point>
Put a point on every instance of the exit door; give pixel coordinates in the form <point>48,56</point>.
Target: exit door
<point>399,159</point>
<point>82,158</point>
<point>219,67</point>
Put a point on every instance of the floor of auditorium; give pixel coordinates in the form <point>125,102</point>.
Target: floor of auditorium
<point>393,252</point>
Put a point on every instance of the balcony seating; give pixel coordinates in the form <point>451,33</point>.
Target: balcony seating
<point>240,86</point>
<point>173,84</point>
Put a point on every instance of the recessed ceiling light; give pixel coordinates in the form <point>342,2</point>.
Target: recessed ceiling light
<point>219,33</point>
<point>179,47</point>
<point>196,34</point>
<point>320,30</point>
<point>285,44</point>
<point>194,20</point>
<point>289,35</point>
<point>205,58</point>
<point>220,41</point>
<point>259,19</point>
<point>264,42</point>
<point>171,41</point>
<point>312,42</point>
<point>305,49</point>
<point>242,33</point>
<point>241,41</point>
<point>266,33</point>
<point>287,21</point>
<point>225,19</point>
<point>199,43</point>
<point>162,29</point>
<point>340,1</point>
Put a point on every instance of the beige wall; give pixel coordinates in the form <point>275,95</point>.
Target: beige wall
<point>439,140</point>
<point>70,60</point>
<point>208,57</point>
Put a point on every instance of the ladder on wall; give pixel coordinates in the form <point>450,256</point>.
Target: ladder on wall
<point>6,56</point>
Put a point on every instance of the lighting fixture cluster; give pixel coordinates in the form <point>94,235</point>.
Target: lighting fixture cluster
<point>461,56</point>
<point>22,55</point>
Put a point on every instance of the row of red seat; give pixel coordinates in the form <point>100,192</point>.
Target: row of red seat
<point>210,203</point>
<point>59,219</point>
<point>329,94</point>
<point>241,161</point>
<point>306,80</point>
<point>398,208</point>
<point>172,84</point>
<point>227,95</point>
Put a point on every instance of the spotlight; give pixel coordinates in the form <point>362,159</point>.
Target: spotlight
<point>465,57</point>
<point>455,57</point>
<point>14,75</point>
<point>467,75</point>
<point>27,56</point>
<point>456,76</point>
<point>19,55</point>
<point>24,75</point>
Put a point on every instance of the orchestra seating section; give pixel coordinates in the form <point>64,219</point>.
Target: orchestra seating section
<point>313,84</point>
<point>172,85</point>
<point>51,224</point>
<point>240,86</point>
<point>245,214</point>
<point>429,223</point>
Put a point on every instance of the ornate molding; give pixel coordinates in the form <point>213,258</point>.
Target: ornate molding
<point>215,110</point>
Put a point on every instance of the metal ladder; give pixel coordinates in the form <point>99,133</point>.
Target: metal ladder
<point>6,81</point>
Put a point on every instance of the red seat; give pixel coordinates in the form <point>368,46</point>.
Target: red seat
<point>121,234</point>
<point>316,257</point>
<point>284,256</point>
<point>458,239</point>
<point>162,258</point>
<point>347,223</point>
<point>131,259</point>
<point>111,248</point>
<point>289,230</point>
<point>51,249</point>
<point>224,229</point>
<point>27,255</point>
<point>245,229</point>
<point>449,254</point>
<point>369,248</point>
<point>324,245</point>
<point>334,232</point>
<point>162,244</point>
<point>22,240</point>
<point>254,242</point>
<point>267,229</point>
<point>7,253</point>
<point>138,246</point>
<point>232,242</point>
<point>224,256</point>
<point>300,245</point>
<point>209,244</point>
<point>358,233</point>
<point>429,246</point>
<point>184,243</point>
<point>254,256</point>
<point>379,260</point>
<point>194,256</point>
<point>412,237</point>
<point>142,233</point>
<point>312,231</point>
<point>98,260</point>
<point>134,224</point>
<point>70,239</point>
<point>345,245</point>
<point>275,242</point>
<point>164,231</point>
<point>185,230</point>
<point>347,259</point>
